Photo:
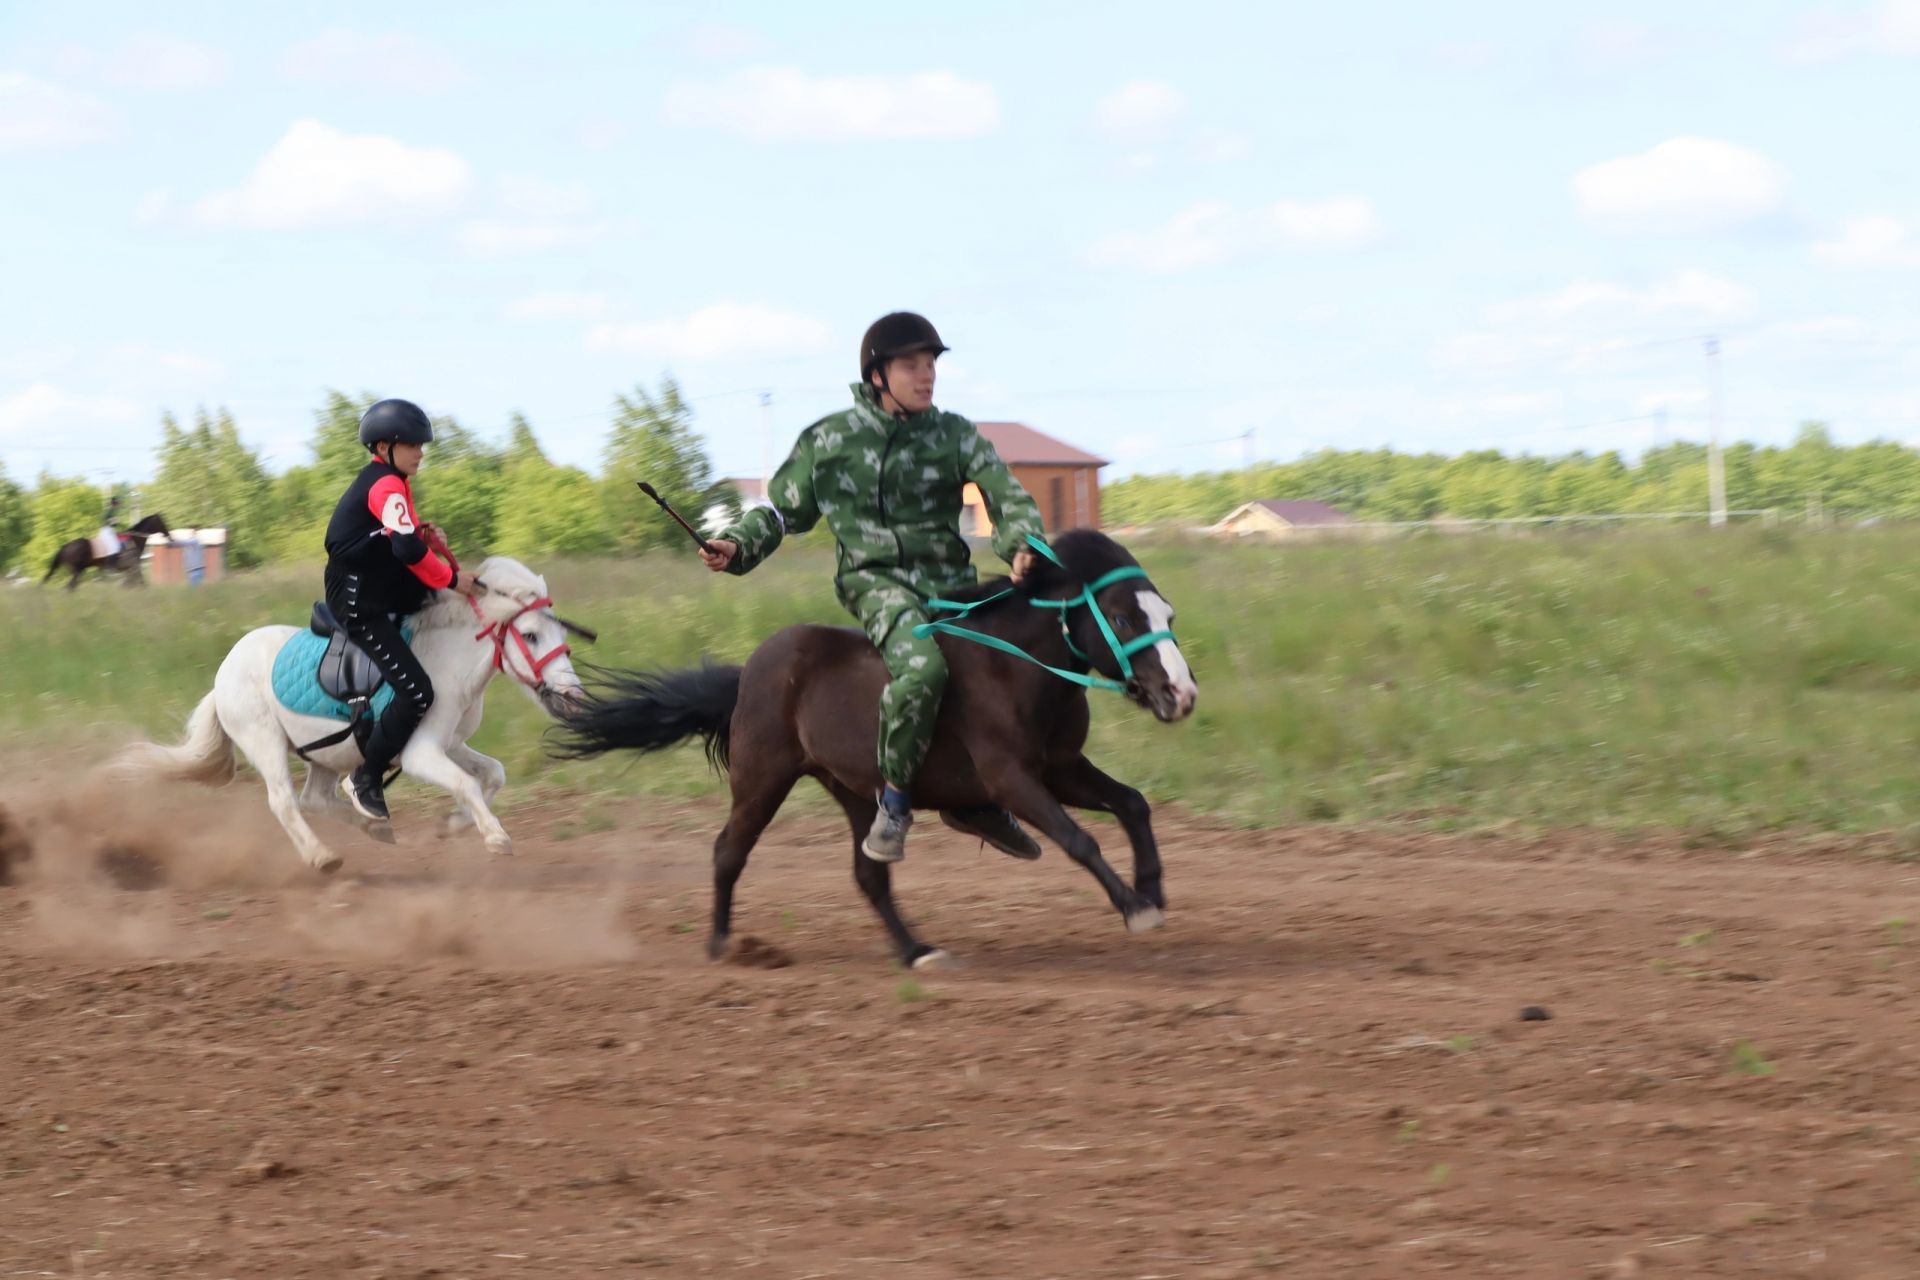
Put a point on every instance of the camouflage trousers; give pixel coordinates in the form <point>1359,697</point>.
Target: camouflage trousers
<point>889,612</point>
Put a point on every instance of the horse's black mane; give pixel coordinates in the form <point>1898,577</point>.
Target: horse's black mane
<point>1086,553</point>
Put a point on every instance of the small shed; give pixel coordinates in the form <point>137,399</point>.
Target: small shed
<point>189,557</point>
<point>1280,518</point>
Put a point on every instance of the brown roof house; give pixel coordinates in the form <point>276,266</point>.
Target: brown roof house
<point>1063,480</point>
<point>1276,518</point>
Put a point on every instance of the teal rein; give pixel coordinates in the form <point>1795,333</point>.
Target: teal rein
<point>1123,653</point>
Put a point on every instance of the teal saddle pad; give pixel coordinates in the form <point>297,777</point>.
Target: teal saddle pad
<point>296,678</point>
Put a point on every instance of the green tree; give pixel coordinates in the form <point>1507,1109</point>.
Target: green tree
<point>545,510</point>
<point>461,487</point>
<point>653,440</point>
<point>63,509</point>
<point>209,477</point>
<point>16,521</point>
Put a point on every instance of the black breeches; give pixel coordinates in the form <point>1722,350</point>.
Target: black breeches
<point>412,691</point>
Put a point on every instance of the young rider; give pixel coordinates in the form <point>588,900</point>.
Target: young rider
<point>886,476</point>
<point>381,565</point>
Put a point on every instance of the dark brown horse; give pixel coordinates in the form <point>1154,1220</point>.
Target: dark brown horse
<point>1010,732</point>
<point>77,556</point>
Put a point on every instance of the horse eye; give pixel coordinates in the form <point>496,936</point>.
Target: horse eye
<point>531,634</point>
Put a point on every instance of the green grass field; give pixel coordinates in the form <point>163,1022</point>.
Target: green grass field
<point>1726,683</point>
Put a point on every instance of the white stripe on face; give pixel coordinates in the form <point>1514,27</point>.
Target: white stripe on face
<point>1172,661</point>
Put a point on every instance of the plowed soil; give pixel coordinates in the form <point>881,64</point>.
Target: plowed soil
<point>436,1066</point>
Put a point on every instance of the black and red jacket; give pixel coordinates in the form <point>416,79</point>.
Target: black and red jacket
<point>374,534</point>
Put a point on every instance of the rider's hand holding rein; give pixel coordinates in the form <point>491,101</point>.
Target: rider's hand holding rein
<point>466,584</point>
<point>1023,561</point>
<point>719,553</point>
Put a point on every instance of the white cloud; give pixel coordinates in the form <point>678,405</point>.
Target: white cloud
<point>783,104</point>
<point>558,304</point>
<point>1616,45</point>
<point>717,42</point>
<point>532,215</point>
<point>1890,28</point>
<point>724,331</point>
<point>1196,237</point>
<point>1878,241</point>
<point>154,62</point>
<point>1214,231</point>
<point>1684,184</point>
<point>44,407</point>
<point>38,116</point>
<point>388,60</point>
<point>1140,111</point>
<point>1222,148</point>
<point>1690,293</point>
<point>1343,222</point>
<point>1592,322</point>
<point>317,177</point>
<point>144,358</point>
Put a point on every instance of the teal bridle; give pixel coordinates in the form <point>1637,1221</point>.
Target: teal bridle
<point>1123,652</point>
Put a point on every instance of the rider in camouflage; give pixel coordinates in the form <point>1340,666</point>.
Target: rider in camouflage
<point>886,475</point>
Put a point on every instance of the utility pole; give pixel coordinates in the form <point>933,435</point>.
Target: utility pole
<point>1716,465</point>
<point>766,445</point>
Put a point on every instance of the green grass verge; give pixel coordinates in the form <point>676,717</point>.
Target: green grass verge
<point>1726,682</point>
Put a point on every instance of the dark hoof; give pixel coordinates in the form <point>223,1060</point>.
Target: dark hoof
<point>717,947</point>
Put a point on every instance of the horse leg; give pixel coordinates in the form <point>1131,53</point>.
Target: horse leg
<point>1083,785</point>
<point>755,801</point>
<point>1031,802</point>
<point>876,882</point>
<point>321,794</point>
<point>483,769</point>
<point>428,761</point>
<point>265,746</point>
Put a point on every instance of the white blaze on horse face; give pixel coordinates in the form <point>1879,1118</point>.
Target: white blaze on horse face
<point>1172,661</point>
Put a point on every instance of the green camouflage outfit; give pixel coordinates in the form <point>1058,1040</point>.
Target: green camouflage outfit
<point>890,489</point>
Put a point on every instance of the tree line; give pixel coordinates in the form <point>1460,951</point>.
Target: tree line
<point>506,497</point>
<point>1878,478</point>
<point>510,497</point>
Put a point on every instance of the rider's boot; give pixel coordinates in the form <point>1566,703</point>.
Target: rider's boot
<point>364,792</point>
<point>991,823</point>
<point>887,840</point>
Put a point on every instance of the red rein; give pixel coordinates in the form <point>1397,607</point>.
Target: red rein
<point>498,633</point>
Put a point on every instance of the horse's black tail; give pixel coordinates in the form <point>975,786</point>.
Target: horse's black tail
<point>652,710</point>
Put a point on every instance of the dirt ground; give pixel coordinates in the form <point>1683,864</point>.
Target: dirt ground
<point>437,1066</point>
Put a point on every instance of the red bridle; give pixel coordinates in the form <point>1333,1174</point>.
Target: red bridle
<point>498,633</point>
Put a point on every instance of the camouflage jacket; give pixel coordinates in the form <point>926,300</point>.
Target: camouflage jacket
<point>890,489</point>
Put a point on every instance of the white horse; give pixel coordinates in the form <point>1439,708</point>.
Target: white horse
<point>462,644</point>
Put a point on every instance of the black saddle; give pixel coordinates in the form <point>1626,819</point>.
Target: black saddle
<point>346,671</point>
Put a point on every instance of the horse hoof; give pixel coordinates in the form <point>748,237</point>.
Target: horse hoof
<point>500,848</point>
<point>717,946</point>
<point>329,864</point>
<point>1146,920</point>
<point>381,831</point>
<point>934,959</point>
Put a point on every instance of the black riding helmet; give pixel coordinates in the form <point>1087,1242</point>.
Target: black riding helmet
<point>896,334</point>
<point>400,421</point>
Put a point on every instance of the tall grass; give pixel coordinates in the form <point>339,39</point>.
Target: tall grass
<point>1733,680</point>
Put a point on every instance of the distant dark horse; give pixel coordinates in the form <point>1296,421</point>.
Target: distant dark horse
<point>1010,733</point>
<point>77,556</point>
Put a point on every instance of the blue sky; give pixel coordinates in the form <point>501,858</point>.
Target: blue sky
<point>1146,229</point>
